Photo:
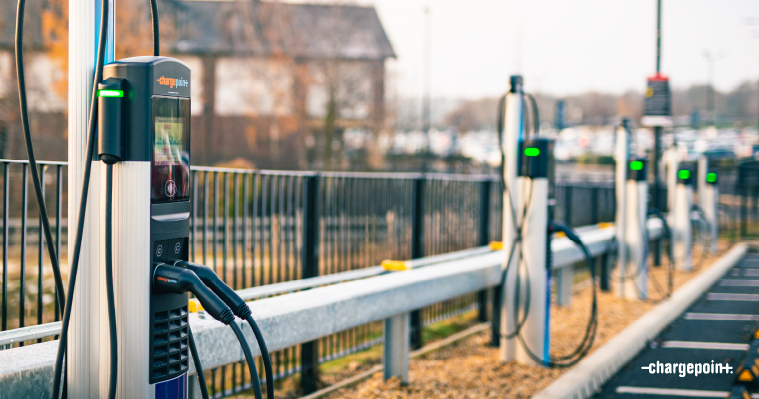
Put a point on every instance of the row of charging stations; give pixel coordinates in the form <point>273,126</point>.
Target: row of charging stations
<point>529,192</point>
<point>632,195</point>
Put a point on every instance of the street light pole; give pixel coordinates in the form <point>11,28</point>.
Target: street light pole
<point>426,117</point>
<point>710,83</point>
<point>657,137</point>
<point>711,59</point>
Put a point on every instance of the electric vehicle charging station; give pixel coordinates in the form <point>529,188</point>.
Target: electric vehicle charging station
<point>630,221</point>
<point>139,119</point>
<point>534,162</point>
<point>708,195</point>
<point>710,206</point>
<point>528,179</point>
<point>151,217</point>
<point>634,271</point>
<point>681,231</point>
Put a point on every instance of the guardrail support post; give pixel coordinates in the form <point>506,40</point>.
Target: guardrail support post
<point>605,275</point>
<point>564,280</point>
<point>397,337</point>
<point>495,318</point>
<point>417,251</point>
<point>309,374</point>
<point>193,385</point>
<point>484,239</point>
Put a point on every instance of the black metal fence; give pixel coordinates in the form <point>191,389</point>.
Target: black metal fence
<point>258,227</point>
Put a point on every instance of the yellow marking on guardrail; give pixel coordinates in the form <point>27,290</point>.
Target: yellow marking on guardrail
<point>395,265</point>
<point>496,245</point>
<point>194,306</point>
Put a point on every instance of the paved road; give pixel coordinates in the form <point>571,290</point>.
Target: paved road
<point>716,328</point>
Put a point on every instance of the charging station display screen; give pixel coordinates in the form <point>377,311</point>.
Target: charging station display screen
<point>168,141</point>
<point>170,180</point>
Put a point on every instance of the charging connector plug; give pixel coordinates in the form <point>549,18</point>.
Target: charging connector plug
<point>238,306</point>
<point>212,281</point>
<point>176,280</point>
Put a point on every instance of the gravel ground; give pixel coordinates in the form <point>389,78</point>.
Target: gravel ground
<point>472,369</point>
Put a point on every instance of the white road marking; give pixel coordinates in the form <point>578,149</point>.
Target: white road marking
<point>720,316</point>
<point>704,345</point>
<point>739,283</point>
<point>692,393</point>
<point>720,296</point>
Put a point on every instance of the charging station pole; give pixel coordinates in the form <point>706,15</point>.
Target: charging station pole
<point>636,282</point>
<point>622,159</point>
<point>513,131</point>
<point>682,228</point>
<point>671,159</point>
<point>84,346</point>
<point>710,206</point>
<point>708,194</point>
<point>533,177</point>
<point>632,210</point>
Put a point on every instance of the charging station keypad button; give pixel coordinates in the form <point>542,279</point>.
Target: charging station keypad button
<point>160,250</point>
<point>176,249</point>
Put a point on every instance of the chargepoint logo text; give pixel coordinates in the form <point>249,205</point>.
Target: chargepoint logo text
<point>172,83</point>
<point>683,369</point>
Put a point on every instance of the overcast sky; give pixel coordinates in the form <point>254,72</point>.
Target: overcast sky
<point>568,46</point>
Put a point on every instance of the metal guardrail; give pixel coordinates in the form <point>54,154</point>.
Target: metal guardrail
<point>249,294</point>
<point>288,320</point>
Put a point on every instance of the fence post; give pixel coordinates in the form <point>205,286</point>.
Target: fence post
<point>309,351</point>
<point>417,251</point>
<point>484,239</point>
<point>596,201</point>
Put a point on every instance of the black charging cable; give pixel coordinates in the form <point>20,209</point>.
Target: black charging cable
<point>21,80</point>
<point>178,280</point>
<point>670,248</point>
<point>240,309</point>
<point>518,324</point>
<point>591,328</point>
<point>113,338</point>
<point>702,236</point>
<point>198,367</point>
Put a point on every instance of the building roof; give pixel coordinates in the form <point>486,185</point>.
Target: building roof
<point>270,28</point>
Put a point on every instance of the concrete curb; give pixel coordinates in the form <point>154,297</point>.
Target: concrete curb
<point>586,377</point>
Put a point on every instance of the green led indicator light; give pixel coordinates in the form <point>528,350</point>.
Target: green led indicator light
<point>683,174</point>
<point>636,165</point>
<point>711,177</point>
<point>532,152</point>
<point>110,93</point>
